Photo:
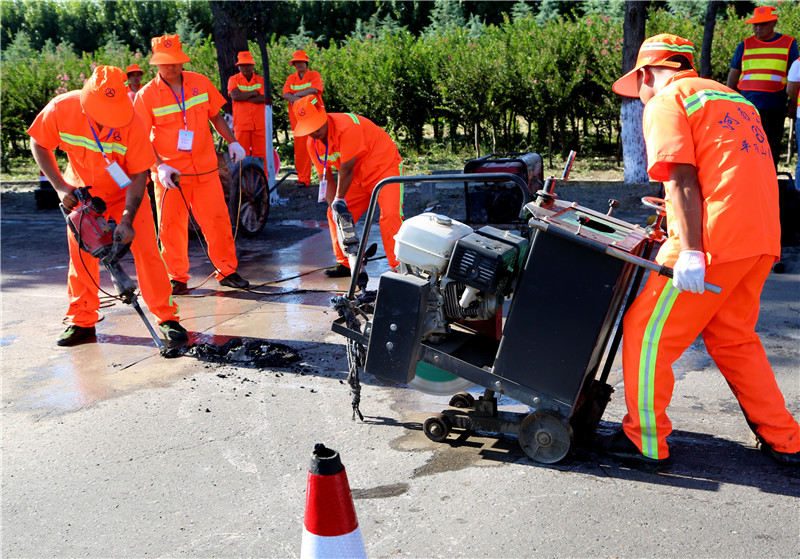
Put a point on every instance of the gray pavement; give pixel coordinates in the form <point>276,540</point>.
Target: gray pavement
<point>109,450</point>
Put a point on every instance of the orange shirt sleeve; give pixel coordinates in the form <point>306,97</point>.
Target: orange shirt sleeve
<point>668,136</point>
<point>45,127</point>
<point>351,142</point>
<point>287,87</point>
<point>140,155</point>
<point>143,109</point>
<point>233,83</point>
<point>215,98</point>
<point>316,81</point>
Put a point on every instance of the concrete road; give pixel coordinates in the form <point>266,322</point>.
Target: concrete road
<point>109,450</point>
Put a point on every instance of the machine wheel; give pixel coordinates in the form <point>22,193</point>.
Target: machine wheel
<point>437,427</point>
<point>545,437</point>
<point>254,208</point>
<point>462,400</point>
<point>658,204</point>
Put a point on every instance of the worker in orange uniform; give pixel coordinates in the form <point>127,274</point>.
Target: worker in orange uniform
<point>176,107</point>
<point>758,71</point>
<point>134,83</point>
<point>705,143</point>
<point>108,149</point>
<point>247,91</point>
<point>302,83</point>
<point>362,154</point>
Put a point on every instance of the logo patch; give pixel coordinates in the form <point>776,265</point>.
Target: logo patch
<point>110,92</point>
<point>168,43</point>
<point>301,112</point>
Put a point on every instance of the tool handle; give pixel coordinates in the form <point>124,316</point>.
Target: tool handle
<point>660,270</point>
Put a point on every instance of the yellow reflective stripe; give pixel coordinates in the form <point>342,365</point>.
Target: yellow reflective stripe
<point>253,87</point>
<point>202,98</point>
<point>166,110</point>
<point>300,86</point>
<point>89,143</point>
<point>756,52</point>
<point>334,156</point>
<point>764,77</point>
<point>682,49</point>
<point>764,64</point>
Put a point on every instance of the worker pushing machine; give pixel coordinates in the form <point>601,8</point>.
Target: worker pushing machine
<point>176,107</point>
<point>247,91</point>
<point>362,154</point>
<point>302,83</point>
<point>108,150</point>
<point>706,144</point>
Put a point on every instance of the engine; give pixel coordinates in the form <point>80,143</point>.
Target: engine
<point>470,273</point>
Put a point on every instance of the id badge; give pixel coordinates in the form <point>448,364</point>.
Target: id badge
<point>323,190</point>
<point>185,139</point>
<point>118,175</point>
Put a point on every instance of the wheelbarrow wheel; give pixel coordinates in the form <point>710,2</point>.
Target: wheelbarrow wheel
<point>253,187</point>
<point>462,400</point>
<point>545,437</point>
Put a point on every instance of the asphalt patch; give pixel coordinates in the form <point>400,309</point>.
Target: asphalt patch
<point>258,354</point>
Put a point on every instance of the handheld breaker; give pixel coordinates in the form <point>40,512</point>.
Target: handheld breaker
<point>97,237</point>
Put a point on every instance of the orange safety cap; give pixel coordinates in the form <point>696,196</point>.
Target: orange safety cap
<point>299,56</point>
<point>105,99</point>
<point>133,68</point>
<point>310,117</point>
<point>245,57</point>
<point>167,50</point>
<point>763,14</point>
<point>654,52</point>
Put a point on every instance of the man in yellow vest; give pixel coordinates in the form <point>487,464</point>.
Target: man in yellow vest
<point>758,72</point>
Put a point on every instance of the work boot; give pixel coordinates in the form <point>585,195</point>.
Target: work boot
<point>338,271</point>
<point>74,334</point>
<point>179,287</point>
<point>174,331</point>
<point>785,458</point>
<point>235,280</point>
<point>620,446</point>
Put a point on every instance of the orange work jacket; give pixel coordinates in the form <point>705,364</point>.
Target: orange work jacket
<point>246,115</point>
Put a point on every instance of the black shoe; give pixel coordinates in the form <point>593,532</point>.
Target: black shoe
<point>785,458</point>
<point>235,280</point>
<point>174,331</point>
<point>302,185</point>
<point>620,446</point>
<point>75,334</point>
<point>338,271</point>
<point>179,287</point>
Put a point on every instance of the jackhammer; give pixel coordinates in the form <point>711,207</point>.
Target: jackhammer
<point>97,237</point>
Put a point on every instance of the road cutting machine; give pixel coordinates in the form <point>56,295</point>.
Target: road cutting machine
<point>530,310</point>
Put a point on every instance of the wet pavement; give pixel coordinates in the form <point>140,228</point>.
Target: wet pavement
<point>110,450</point>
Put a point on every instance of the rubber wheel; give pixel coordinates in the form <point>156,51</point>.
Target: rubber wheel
<point>254,209</point>
<point>462,400</point>
<point>545,437</point>
<point>437,427</point>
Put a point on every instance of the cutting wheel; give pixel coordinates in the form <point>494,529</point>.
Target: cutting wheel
<point>437,382</point>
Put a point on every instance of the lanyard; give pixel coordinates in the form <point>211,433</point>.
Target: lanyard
<point>325,165</point>
<point>181,103</point>
<point>97,140</point>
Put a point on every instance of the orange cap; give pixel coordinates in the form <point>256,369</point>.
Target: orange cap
<point>167,50</point>
<point>105,99</point>
<point>245,58</point>
<point>310,118</point>
<point>299,56</point>
<point>763,14</point>
<point>133,68</point>
<point>654,52</point>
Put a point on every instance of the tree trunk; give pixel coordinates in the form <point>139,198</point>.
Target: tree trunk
<point>229,38</point>
<point>634,154</point>
<point>708,37</point>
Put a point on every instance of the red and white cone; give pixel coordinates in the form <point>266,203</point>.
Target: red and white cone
<point>331,528</point>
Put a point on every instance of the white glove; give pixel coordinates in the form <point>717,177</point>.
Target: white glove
<point>165,173</point>
<point>689,272</point>
<point>339,206</point>
<point>236,151</point>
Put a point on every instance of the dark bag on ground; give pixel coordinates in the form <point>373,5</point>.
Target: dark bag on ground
<point>789,202</point>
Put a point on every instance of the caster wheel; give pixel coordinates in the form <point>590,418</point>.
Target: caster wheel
<point>545,437</point>
<point>437,427</point>
<point>462,400</point>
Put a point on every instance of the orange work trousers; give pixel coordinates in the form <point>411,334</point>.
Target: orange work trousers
<point>302,161</point>
<point>205,198</point>
<point>662,323</point>
<point>83,277</point>
<point>390,201</point>
<point>254,142</point>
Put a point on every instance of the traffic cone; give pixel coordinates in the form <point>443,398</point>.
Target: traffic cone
<point>330,528</point>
